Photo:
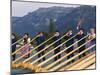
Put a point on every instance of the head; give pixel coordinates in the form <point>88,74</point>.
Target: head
<point>13,36</point>
<point>57,33</point>
<point>26,35</point>
<point>92,30</point>
<point>70,31</point>
<point>81,31</point>
<point>40,33</point>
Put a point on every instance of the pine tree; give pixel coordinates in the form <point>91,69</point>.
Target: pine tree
<point>52,26</point>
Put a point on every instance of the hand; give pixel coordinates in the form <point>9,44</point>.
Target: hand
<point>54,34</point>
<point>75,45</point>
<point>23,37</point>
<point>78,33</point>
<point>38,35</point>
<point>66,33</point>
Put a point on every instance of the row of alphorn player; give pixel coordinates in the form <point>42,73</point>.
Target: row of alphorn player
<point>41,40</point>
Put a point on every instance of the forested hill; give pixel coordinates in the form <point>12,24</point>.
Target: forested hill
<point>62,17</point>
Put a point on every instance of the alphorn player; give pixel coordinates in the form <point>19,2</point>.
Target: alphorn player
<point>56,37</point>
<point>13,38</point>
<point>70,42</point>
<point>40,39</point>
<point>92,35</point>
<point>78,37</point>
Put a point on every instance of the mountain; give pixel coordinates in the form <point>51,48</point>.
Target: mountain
<point>86,13</point>
<point>14,19</point>
<point>64,17</point>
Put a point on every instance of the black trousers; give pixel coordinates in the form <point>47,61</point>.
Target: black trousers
<point>13,56</point>
<point>41,54</point>
<point>69,50</point>
<point>71,55</point>
<point>80,50</point>
<point>13,50</point>
<point>55,52</point>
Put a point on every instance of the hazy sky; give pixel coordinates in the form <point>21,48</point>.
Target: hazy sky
<point>22,8</point>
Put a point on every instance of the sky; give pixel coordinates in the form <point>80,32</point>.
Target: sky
<point>20,9</point>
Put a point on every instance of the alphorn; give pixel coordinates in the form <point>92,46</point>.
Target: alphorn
<point>24,45</point>
<point>50,51</point>
<point>93,66</point>
<point>86,64</point>
<point>32,50</point>
<point>76,62</point>
<point>49,66</point>
<point>44,48</point>
<point>64,63</point>
<point>77,66</point>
